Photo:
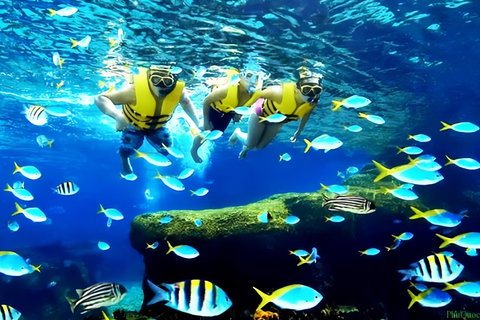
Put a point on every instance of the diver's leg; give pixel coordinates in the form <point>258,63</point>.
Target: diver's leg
<point>158,139</point>
<point>269,134</point>
<point>255,133</point>
<point>131,139</point>
<point>197,142</point>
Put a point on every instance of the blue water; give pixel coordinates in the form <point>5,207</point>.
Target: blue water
<point>416,76</point>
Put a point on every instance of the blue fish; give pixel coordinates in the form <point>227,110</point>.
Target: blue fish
<point>113,214</point>
<point>438,217</point>
<point>295,297</point>
<point>21,194</point>
<point>9,313</point>
<point>199,192</point>
<point>372,118</point>
<point>171,182</point>
<point>198,222</point>
<point>472,252</point>
<point>465,163</point>
<point>404,236</point>
<point>285,157</point>
<point>14,265</point>
<point>274,118</point>
<point>187,172</point>
<point>264,217</point>
<point>299,253</point>
<point>465,240</point>
<point>29,172</point>
<point>464,127</point>
<point>292,220</point>
<point>165,220</point>
<point>311,258</point>
<point>420,137</point>
<point>34,214</point>
<point>433,298</point>
<point>174,152</point>
<point>471,289</point>
<point>13,226</point>
<point>183,251</point>
<point>157,159</point>
<point>335,188</point>
<point>152,246</point>
<point>355,128</point>
<point>335,219</point>
<point>103,245</point>
<point>370,252</point>
<point>410,150</point>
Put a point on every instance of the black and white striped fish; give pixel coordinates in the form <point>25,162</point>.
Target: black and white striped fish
<point>434,268</point>
<point>102,294</point>
<point>9,313</point>
<point>67,188</point>
<point>36,115</point>
<point>196,297</point>
<point>353,204</point>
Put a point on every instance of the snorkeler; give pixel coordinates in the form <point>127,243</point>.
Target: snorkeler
<point>147,105</point>
<point>282,104</point>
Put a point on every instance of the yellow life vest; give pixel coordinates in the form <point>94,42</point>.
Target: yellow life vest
<point>231,100</point>
<point>288,106</point>
<point>148,113</point>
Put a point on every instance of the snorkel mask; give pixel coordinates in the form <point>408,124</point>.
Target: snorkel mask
<point>311,87</point>
<point>163,79</point>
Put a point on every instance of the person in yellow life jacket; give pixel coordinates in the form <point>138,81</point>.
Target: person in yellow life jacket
<point>242,89</point>
<point>147,105</point>
<point>293,100</point>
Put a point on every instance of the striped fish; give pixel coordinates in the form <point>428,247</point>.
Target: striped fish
<point>353,204</point>
<point>102,294</point>
<point>196,297</point>
<point>67,188</point>
<point>36,115</point>
<point>9,313</point>
<point>434,268</point>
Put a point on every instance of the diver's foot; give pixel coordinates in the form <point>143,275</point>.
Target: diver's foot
<point>233,138</point>
<point>127,168</point>
<point>243,153</point>
<point>195,156</point>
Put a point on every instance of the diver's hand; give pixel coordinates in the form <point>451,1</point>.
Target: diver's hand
<point>122,124</point>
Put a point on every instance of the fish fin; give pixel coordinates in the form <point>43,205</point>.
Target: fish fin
<point>325,199</point>
<point>309,144</point>
<point>328,219</point>
<point>337,104</point>
<point>36,268</point>
<point>74,43</point>
<point>326,150</point>
<point>400,150</point>
<point>410,137</point>
<point>17,168</point>
<point>384,190</point>
<point>265,298</point>
<point>261,119</point>
<point>170,248</point>
<point>138,154</point>
<point>414,299</point>
<point>102,210</point>
<point>446,241</point>
<point>418,214</point>
<point>105,317</point>
<point>362,253</point>
<point>8,188</point>
<point>71,302</point>
<point>302,261</point>
<point>448,286</point>
<point>291,252</point>
<point>52,12</point>
<point>408,274</point>
<point>280,158</point>
<point>362,115</point>
<point>446,126</point>
<point>384,171</point>
<point>450,161</point>
<point>50,143</point>
<point>61,62</point>
<point>159,293</point>
<point>19,209</point>
<point>79,292</point>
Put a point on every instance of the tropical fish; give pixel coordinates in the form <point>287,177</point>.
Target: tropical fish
<point>99,295</point>
<point>419,137</point>
<point>187,172</point>
<point>426,163</point>
<point>472,252</point>
<point>202,298</point>
<point>274,118</point>
<point>354,102</point>
<point>29,172</point>
<point>211,135</point>
<point>14,265</point>
<point>13,226</point>
<point>113,214</point>
<point>433,298</point>
<point>466,240</point>
<point>264,217</point>
<point>58,111</point>
<point>183,251</point>
<point>354,128</point>
<point>18,185</point>
<point>295,297</point>
<point>130,177</point>
<point>157,159</point>
<point>395,245</point>
<point>59,85</point>
<point>34,214</point>
<point>82,43</point>
<point>198,222</point>
<point>400,193</point>
<point>57,60</point>
<point>51,284</point>
<point>109,222</point>
<point>285,157</point>
<point>66,188</point>
<point>103,245</point>
<point>438,217</point>
<point>64,12</point>
<point>434,268</point>
<point>292,220</point>
<point>335,188</point>
<point>36,115</point>
<point>404,236</point>
<point>465,163</point>
<point>43,141</point>
<point>409,173</point>
<point>148,195</point>
<point>165,220</point>
<point>464,127</point>
<point>372,118</point>
<point>324,142</point>
<point>335,219</point>
<point>244,111</point>
<point>199,192</point>
<point>174,152</point>
<point>410,150</point>
<point>311,258</point>
<point>384,171</point>
<point>471,289</point>
<point>299,253</point>
<point>199,71</point>
<point>21,194</point>
<point>9,313</point>
<point>354,204</point>
<point>171,182</point>
<point>370,252</point>
<point>152,246</point>
<point>351,170</point>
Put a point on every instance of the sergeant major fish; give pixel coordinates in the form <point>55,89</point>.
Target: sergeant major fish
<point>434,268</point>
<point>9,313</point>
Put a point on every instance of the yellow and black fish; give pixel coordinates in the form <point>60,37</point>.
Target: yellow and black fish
<point>9,313</point>
<point>354,204</point>
<point>434,268</point>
